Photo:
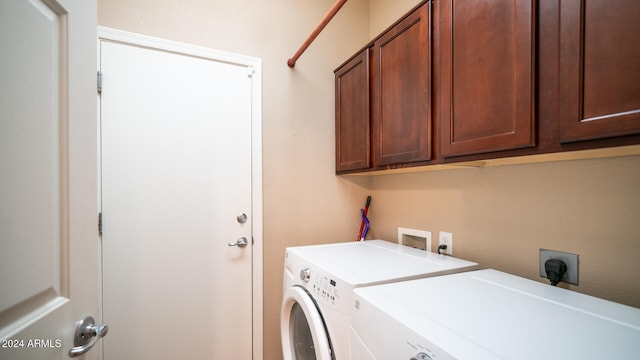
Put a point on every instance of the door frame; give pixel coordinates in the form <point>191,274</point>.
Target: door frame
<point>254,70</point>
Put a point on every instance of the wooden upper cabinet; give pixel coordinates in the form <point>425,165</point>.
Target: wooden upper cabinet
<point>485,75</point>
<point>353,150</point>
<point>599,69</point>
<point>401,88</point>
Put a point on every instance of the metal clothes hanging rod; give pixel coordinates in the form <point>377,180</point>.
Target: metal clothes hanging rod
<point>332,12</point>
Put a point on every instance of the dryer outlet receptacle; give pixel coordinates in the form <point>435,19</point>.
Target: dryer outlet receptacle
<point>571,260</point>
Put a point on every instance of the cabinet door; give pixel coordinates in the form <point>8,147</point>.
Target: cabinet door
<point>353,150</point>
<point>401,61</point>
<point>599,69</point>
<point>485,75</point>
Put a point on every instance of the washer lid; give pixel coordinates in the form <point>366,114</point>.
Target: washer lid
<point>377,261</point>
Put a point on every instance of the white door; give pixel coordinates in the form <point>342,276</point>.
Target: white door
<point>176,203</point>
<point>49,244</point>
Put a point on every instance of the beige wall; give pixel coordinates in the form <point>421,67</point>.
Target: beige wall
<point>502,216</point>
<point>383,13</point>
<point>499,216</point>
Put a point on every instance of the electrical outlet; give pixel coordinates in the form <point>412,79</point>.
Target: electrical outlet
<point>571,260</point>
<point>446,238</point>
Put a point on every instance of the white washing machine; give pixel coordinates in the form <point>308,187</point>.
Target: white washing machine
<point>318,290</point>
<point>487,314</point>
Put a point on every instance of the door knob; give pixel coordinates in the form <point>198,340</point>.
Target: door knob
<point>241,242</point>
<point>242,218</point>
<point>87,334</point>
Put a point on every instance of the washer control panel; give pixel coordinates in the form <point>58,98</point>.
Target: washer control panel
<point>324,288</point>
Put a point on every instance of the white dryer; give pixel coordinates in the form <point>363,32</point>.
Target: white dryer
<point>487,314</point>
<point>318,290</point>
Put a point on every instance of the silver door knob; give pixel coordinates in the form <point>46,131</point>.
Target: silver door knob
<point>87,334</point>
<point>241,242</point>
<point>242,218</point>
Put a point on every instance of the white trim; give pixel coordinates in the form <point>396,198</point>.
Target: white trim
<point>255,64</point>
<point>115,35</point>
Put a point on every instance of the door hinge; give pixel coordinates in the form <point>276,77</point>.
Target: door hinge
<point>100,223</point>
<point>250,71</point>
<point>99,82</point>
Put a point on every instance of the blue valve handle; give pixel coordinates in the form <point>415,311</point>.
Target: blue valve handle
<point>365,219</point>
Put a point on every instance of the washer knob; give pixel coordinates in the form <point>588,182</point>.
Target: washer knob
<point>305,274</point>
<point>421,356</point>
